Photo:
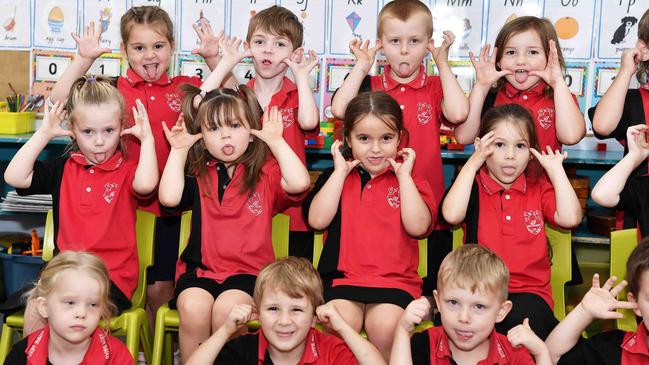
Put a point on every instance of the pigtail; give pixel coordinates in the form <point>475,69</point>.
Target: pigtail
<point>257,152</point>
<point>197,157</point>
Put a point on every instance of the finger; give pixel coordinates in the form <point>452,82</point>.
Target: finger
<point>392,163</point>
<point>608,285</point>
<point>595,280</point>
<point>526,322</point>
<point>75,37</point>
<point>626,305</point>
<point>354,163</point>
<point>548,149</point>
<point>165,129</point>
<point>618,288</point>
<point>181,121</point>
<point>536,153</point>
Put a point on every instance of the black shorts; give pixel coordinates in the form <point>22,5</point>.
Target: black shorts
<point>243,282</point>
<point>300,244</point>
<point>118,298</point>
<point>440,243</point>
<point>368,295</point>
<point>532,306</point>
<point>165,253</point>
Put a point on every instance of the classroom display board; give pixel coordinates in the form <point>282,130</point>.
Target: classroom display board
<point>592,33</point>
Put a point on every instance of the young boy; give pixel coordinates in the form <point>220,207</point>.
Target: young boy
<point>405,29</point>
<point>471,297</point>
<point>612,347</point>
<point>287,293</point>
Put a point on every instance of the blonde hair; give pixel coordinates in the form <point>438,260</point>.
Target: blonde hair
<point>403,10</point>
<point>153,16</point>
<point>279,21</point>
<point>474,268</point>
<point>293,276</point>
<point>80,261</point>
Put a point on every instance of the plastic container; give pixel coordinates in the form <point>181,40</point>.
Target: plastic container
<point>17,123</point>
<point>19,271</point>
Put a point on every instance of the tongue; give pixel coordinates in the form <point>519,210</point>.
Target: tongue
<point>228,150</point>
<point>100,157</point>
<point>404,69</point>
<point>520,77</point>
<point>150,72</point>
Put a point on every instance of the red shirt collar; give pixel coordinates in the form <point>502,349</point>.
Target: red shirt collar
<point>389,83</point>
<point>310,355</point>
<point>37,348</point>
<point>491,186</point>
<point>637,342</point>
<point>538,89</point>
<point>497,351</point>
<point>287,85</point>
<point>113,163</point>
<point>133,78</point>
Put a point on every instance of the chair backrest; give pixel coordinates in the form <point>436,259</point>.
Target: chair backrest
<point>622,243</point>
<point>561,270</point>
<point>48,236</point>
<point>458,236</point>
<point>318,244</point>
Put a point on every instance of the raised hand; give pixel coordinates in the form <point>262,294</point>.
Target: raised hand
<point>630,58</point>
<point>209,46</point>
<point>142,128</point>
<point>601,302</point>
<point>231,51</point>
<point>440,54</point>
<point>238,317</point>
<point>414,313</point>
<point>485,68</point>
<point>89,44</point>
<point>552,74</point>
<point>178,136</point>
<point>405,167</point>
<point>340,164</point>
<point>364,53</point>
<point>272,127</point>
<point>549,160</point>
<point>522,335</point>
<point>52,120</point>
<point>483,148</point>
<point>302,66</point>
<point>636,137</point>
<point>328,315</point>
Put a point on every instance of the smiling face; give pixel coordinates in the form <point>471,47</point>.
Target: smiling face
<point>511,153</point>
<point>372,142</point>
<point>147,51</point>
<point>96,129</point>
<point>405,44</point>
<point>269,52</point>
<point>523,52</point>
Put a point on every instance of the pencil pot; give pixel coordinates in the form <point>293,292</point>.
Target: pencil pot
<point>17,123</point>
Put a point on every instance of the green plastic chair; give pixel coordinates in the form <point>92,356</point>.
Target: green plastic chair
<point>167,319</point>
<point>622,243</point>
<point>132,323</point>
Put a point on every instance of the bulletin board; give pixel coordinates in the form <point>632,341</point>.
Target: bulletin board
<point>591,42</point>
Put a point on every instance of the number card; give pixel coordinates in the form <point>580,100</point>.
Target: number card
<point>242,11</point>
<point>573,21</point>
<point>500,12</point>
<point>351,19</point>
<point>193,66</point>
<point>576,77</point>
<point>107,13</point>
<point>605,73</point>
<point>16,31</point>
<point>336,69</point>
<point>108,65</point>
<point>50,67</point>
<point>244,71</point>
<point>195,12</point>
<point>464,19</point>
<point>54,21</point>
<point>619,28</point>
<point>311,14</point>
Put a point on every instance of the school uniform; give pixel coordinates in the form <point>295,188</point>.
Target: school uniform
<point>94,210</point>
<point>431,347</point>
<point>104,349</point>
<point>611,347</point>
<point>319,349</point>
<point>230,238</point>
<point>368,256</point>
<point>511,223</point>
<point>633,202</point>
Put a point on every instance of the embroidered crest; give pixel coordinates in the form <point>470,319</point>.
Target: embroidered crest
<point>533,221</point>
<point>545,117</point>
<point>174,101</point>
<point>254,204</point>
<point>424,113</point>
<point>288,116</point>
<point>109,192</point>
<point>393,197</point>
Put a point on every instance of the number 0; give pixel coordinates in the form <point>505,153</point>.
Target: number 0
<point>52,68</point>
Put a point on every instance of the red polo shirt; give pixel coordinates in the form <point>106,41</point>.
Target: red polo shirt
<point>319,349</point>
<point>540,106</point>
<point>235,234</point>
<point>433,345</point>
<point>94,210</point>
<point>162,100</point>
<point>286,100</point>
<point>421,103</point>
<point>512,224</point>
<point>104,349</point>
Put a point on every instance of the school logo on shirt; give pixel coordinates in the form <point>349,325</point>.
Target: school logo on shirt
<point>174,101</point>
<point>254,204</point>
<point>545,117</point>
<point>424,113</point>
<point>393,197</point>
<point>109,192</point>
<point>533,221</point>
<point>288,116</point>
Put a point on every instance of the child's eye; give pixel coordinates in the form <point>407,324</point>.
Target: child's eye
<point>387,138</point>
<point>273,309</point>
<point>138,48</point>
<point>257,42</point>
<point>235,125</point>
<point>86,132</point>
<point>94,305</point>
<point>69,302</point>
<point>110,130</point>
<point>499,144</point>
<point>480,306</point>
<point>394,41</point>
<point>281,44</point>
<point>510,52</point>
<point>452,302</point>
<point>159,46</point>
<point>298,310</point>
<point>414,41</point>
<point>363,138</point>
<point>521,146</point>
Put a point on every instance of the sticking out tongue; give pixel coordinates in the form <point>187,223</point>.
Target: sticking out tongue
<point>228,150</point>
<point>100,157</point>
<point>404,69</point>
<point>520,76</point>
<point>150,71</point>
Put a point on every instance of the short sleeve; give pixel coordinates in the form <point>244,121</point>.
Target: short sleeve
<point>341,354</point>
<point>548,200</point>
<point>186,200</point>
<point>119,354</point>
<point>428,196</point>
<point>322,179</point>
<point>601,349</point>
<point>420,348</point>
<point>46,178</point>
<point>272,175</point>
<point>239,351</point>
<point>632,114</point>
<point>17,355</point>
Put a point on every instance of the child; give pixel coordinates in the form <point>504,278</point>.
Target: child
<point>505,209</point>
<point>405,29</point>
<point>147,44</point>
<point>234,191</point>
<point>527,65</point>
<point>471,297</point>
<point>96,188</point>
<point>372,209</point>
<point>72,293</point>
<point>274,41</point>
<point>288,302</point>
<point>611,347</point>
<point>618,188</point>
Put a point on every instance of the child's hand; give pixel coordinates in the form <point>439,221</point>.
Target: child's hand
<point>209,46</point>
<point>550,161</point>
<point>340,164</point>
<point>231,51</point>
<point>271,128</point>
<point>52,120</point>
<point>485,69</point>
<point>238,317</point>
<point>629,60</point>
<point>364,53</point>
<point>522,335</point>
<point>178,136</point>
<point>414,313</point>
<point>552,74</point>
<point>328,315</point>
<point>636,137</point>
<point>601,302</point>
<point>302,66</point>
<point>89,44</point>
<point>142,128</point>
<point>483,149</point>
<point>405,167</point>
<point>440,54</point>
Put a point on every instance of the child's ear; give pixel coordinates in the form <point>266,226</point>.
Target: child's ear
<point>122,50</point>
<point>631,298</point>
<point>505,307</point>
<point>436,297</point>
<point>644,50</point>
<point>297,55</point>
<point>41,306</point>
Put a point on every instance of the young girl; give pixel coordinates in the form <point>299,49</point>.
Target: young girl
<point>234,191</point>
<point>527,66</point>
<point>72,294</point>
<point>147,44</point>
<point>505,209</point>
<point>96,188</point>
<point>372,209</point>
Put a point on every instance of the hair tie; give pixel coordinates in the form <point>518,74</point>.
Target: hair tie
<point>91,79</point>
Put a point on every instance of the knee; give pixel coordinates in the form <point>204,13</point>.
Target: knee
<point>193,312</point>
